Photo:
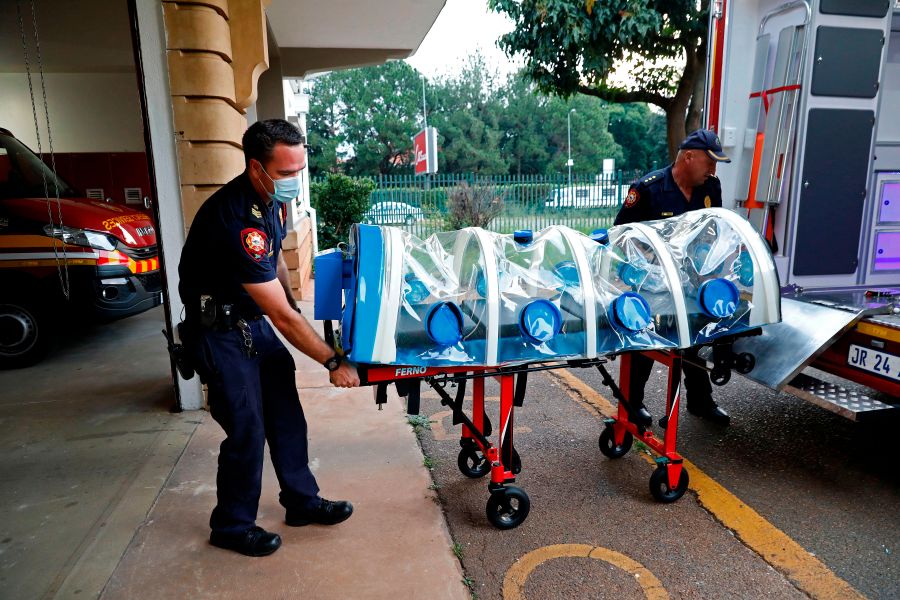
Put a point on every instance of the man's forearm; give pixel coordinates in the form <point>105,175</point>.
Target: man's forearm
<point>284,277</point>
<point>302,336</point>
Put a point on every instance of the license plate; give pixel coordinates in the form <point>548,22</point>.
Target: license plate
<point>881,363</point>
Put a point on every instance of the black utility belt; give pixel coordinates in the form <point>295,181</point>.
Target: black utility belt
<point>222,316</point>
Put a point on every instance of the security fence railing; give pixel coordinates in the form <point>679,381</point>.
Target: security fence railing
<point>426,204</point>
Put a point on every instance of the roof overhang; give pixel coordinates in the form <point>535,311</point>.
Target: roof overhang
<point>322,36</point>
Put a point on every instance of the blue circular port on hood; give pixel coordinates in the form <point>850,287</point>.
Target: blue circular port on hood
<point>601,236</point>
<point>632,276</point>
<point>718,298</point>
<point>523,236</point>
<point>630,311</point>
<point>415,291</point>
<point>567,271</point>
<point>443,323</point>
<point>540,321</point>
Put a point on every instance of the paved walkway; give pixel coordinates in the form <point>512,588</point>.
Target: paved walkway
<point>396,544</point>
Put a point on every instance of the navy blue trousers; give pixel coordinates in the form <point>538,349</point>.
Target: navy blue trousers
<point>696,380</point>
<point>255,401</point>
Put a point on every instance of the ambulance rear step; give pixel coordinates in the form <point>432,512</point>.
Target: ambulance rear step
<point>847,402</point>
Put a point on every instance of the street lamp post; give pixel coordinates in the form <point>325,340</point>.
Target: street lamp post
<point>569,162</point>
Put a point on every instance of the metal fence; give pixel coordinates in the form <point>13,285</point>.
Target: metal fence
<point>422,204</point>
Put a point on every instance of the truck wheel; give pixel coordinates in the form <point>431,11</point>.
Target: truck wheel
<point>24,333</point>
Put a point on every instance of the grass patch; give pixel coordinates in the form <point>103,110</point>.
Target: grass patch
<point>458,550</point>
<point>428,462</point>
<point>470,583</point>
<point>418,422</point>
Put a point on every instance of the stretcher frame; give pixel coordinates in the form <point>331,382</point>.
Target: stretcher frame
<point>508,505</point>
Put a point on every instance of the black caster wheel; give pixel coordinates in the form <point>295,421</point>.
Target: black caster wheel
<point>472,463</point>
<point>608,443</point>
<point>659,485</point>
<point>508,507</point>
<point>744,362</point>
<point>720,377</point>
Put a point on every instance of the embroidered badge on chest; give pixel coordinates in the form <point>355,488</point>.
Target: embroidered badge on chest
<point>707,202</point>
<point>632,198</point>
<point>255,243</point>
<point>254,210</point>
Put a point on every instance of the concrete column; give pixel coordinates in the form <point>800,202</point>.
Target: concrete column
<point>151,30</point>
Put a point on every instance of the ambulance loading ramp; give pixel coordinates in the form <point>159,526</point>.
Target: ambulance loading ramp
<point>810,324</point>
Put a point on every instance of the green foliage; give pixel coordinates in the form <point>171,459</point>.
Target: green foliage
<point>340,201</point>
<point>362,121</point>
<point>641,133</point>
<point>473,206</point>
<point>458,550</point>
<point>418,421</point>
<point>574,47</point>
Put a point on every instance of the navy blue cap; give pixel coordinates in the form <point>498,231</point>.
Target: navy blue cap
<point>704,139</point>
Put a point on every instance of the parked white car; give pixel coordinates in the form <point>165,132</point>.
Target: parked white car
<point>390,213</point>
<point>584,196</point>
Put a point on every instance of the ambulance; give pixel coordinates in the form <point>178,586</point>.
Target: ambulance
<point>805,98</point>
<point>64,258</point>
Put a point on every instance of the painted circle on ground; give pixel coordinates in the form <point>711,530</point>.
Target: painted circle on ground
<point>517,575</point>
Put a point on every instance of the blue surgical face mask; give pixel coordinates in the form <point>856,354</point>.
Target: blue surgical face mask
<point>285,189</point>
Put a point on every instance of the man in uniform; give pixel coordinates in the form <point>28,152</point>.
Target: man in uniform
<point>689,183</point>
<point>232,274</point>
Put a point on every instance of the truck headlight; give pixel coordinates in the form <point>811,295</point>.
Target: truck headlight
<point>81,237</point>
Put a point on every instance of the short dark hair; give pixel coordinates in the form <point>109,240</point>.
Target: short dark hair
<point>260,138</point>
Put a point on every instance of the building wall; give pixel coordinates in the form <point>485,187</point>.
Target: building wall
<point>89,112</point>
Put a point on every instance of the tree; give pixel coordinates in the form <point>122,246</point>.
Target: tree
<point>575,47</point>
<point>641,134</point>
<point>362,120</point>
<point>466,110</point>
<point>536,129</point>
<point>324,135</point>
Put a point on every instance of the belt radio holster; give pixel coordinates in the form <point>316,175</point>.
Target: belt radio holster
<point>178,353</point>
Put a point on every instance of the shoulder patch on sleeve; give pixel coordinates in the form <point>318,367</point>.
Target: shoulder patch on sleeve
<point>255,243</point>
<point>632,198</point>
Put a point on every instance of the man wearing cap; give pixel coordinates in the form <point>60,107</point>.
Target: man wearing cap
<point>690,183</point>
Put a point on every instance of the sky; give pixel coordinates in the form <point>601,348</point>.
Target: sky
<point>463,27</point>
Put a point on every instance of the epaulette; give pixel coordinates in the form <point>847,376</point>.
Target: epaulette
<point>650,177</point>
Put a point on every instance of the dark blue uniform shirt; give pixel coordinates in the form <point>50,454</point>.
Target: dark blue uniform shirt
<point>656,196</point>
<point>234,239</point>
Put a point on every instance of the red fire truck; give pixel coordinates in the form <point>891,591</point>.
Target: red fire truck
<point>63,256</point>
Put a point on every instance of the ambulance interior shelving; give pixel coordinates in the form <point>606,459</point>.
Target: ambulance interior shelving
<point>805,97</point>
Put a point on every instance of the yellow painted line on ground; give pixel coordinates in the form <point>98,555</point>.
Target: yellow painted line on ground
<point>801,568</point>
<point>514,582</point>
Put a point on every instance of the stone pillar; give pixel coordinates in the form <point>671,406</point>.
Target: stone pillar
<point>216,52</point>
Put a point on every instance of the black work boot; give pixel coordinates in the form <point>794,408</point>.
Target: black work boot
<point>709,410</point>
<point>328,512</point>
<point>256,541</point>
<point>639,415</point>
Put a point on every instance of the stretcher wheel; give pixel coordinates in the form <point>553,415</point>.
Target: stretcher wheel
<point>659,485</point>
<point>508,507</point>
<point>608,443</point>
<point>744,362</point>
<point>472,463</point>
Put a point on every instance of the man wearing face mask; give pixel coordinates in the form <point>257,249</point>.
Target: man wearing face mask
<point>232,274</point>
<point>690,183</point>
